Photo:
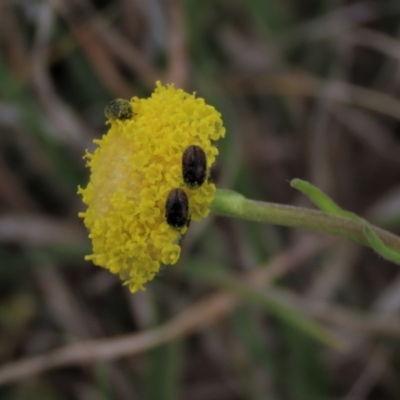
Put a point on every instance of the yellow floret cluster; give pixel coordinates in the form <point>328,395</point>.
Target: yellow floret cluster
<point>133,169</point>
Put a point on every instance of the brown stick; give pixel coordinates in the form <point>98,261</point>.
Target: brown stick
<point>194,318</point>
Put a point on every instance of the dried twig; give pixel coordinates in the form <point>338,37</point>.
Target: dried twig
<point>193,319</point>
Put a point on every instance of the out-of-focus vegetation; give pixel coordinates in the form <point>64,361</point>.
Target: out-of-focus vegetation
<point>307,89</point>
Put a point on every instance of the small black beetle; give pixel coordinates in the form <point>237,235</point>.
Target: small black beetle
<point>118,109</point>
<point>194,166</point>
<point>177,209</point>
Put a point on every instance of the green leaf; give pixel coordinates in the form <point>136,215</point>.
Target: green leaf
<point>321,200</point>
<point>164,367</point>
<point>380,247</point>
<point>303,370</point>
<point>248,329</point>
<point>326,204</point>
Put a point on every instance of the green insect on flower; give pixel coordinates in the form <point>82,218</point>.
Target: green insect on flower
<point>119,109</point>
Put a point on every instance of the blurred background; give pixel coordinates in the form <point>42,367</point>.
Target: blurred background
<point>307,89</point>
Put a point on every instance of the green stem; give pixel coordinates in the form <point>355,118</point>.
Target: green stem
<point>231,204</point>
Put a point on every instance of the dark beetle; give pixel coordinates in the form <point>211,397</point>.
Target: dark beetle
<point>118,109</point>
<point>177,209</point>
<point>194,166</point>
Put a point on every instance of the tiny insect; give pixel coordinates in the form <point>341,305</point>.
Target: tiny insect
<point>118,109</point>
<point>177,209</point>
<point>194,166</point>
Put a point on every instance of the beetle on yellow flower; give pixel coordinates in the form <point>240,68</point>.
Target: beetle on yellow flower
<point>133,170</point>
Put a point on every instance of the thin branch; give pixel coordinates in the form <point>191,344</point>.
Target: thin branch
<point>194,318</point>
<point>231,204</point>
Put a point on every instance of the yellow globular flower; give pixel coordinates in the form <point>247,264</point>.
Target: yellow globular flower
<point>135,166</point>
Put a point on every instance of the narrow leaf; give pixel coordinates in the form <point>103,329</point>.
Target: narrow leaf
<point>321,200</point>
<point>261,298</point>
<point>380,247</point>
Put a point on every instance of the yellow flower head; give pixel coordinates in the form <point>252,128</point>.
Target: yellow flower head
<point>133,170</point>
